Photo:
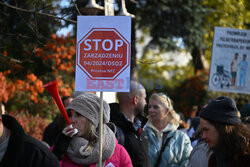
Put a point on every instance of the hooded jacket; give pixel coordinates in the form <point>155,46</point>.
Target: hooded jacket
<point>176,153</point>
<point>24,150</point>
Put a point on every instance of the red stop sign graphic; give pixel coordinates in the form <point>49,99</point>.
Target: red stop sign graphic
<point>103,53</point>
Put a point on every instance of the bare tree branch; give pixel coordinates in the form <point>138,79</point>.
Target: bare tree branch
<point>8,59</point>
<point>19,35</point>
<point>77,9</point>
<point>36,26</point>
<point>31,11</point>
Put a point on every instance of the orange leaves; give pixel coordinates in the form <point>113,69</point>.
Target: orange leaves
<point>72,50</point>
<point>60,53</point>
<point>33,98</point>
<point>58,50</point>
<point>58,57</point>
<point>31,77</point>
<point>65,91</point>
<point>53,46</point>
<point>53,36</point>
<point>59,82</point>
<point>5,53</point>
<point>58,61</point>
<point>11,89</point>
<point>69,56</point>
<point>6,72</point>
<point>34,86</point>
<point>39,86</point>
<point>68,35</point>
<point>17,66</point>
<point>33,125</point>
<point>3,86</point>
<point>39,52</point>
<point>31,87</point>
<point>62,47</point>
<point>19,84</point>
<point>46,57</point>
<point>62,67</point>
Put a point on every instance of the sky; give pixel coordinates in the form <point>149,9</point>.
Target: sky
<point>66,30</point>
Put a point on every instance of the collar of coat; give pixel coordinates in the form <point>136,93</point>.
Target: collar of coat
<point>120,120</point>
<point>170,127</point>
<point>16,142</point>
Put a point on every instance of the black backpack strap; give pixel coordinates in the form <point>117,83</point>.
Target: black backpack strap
<point>163,146</point>
<point>120,135</point>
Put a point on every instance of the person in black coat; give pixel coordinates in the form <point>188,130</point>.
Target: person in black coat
<point>18,149</point>
<point>54,129</point>
<point>129,123</point>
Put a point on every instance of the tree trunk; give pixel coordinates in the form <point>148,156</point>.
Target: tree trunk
<point>197,60</point>
<point>131,8</point>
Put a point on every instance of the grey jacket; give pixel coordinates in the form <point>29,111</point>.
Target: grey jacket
<point>200,155</point>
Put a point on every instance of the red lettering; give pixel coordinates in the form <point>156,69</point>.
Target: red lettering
<point>109,85</point>
<point>100,85</point>
<point>119,81</point>
<point>90,84</point>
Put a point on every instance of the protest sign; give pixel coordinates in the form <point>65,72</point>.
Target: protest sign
<point>229,70</point>
<point>103,53</point>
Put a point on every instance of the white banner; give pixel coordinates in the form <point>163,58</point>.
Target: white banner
<point>103,53</point>
<point>230,69</point>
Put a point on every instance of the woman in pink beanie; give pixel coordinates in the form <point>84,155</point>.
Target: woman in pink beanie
<point>82,149</point>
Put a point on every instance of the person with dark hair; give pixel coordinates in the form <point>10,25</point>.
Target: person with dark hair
<point>166,145</point>
<point>223,131</point>
<point>17,149</point>
<point>81,149</point>
<point>183,126</point>
<point>53,130</point>
<point>66,100</point>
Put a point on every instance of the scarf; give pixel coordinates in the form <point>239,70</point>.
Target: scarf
<point>79,154</point>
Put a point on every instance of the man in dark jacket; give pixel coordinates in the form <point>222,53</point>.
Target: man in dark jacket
<point>18,149</point>
<point>128,120</point>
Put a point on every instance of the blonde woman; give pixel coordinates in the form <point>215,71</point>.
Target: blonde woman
<point>166,145</point>
<point>82,149</point>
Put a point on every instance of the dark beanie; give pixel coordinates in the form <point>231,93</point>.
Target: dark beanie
<point>221,109</point>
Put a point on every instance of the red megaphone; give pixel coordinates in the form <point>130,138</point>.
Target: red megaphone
<point>52,88</point>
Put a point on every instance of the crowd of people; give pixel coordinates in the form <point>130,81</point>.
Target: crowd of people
<point>215,135</point>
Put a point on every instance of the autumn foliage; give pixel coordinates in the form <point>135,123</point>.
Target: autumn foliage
<point>25,97</point>
<point>192,92</point>
<point>33,125</point>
